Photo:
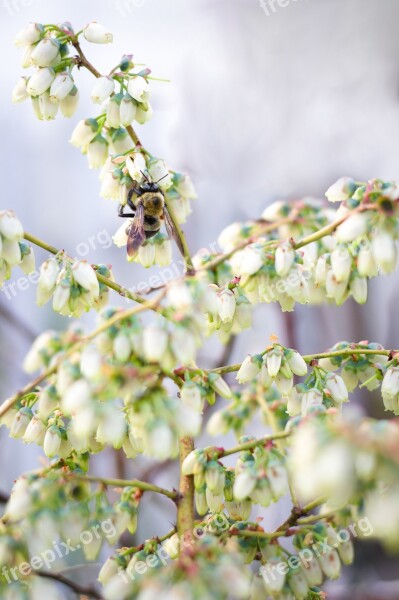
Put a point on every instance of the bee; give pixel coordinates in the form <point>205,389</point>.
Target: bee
<point>148,212</point>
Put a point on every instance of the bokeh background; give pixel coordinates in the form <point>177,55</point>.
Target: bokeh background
<point>264,103</point>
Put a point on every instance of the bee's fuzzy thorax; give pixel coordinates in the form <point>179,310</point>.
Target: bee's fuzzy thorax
<point>153,203</point>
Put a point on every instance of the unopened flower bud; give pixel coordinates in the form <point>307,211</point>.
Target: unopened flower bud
<point>137,87</point>
<point>97,34</point>
<point>284,258</point>
<point>102,89</point>
<point>341,190</point>
<point>45,52</point>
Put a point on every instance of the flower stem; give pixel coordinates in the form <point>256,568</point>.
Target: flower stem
<point>10,402</point>
<point>122,291</point>
<point>141,485</point>
<point>253,443</point>
<point>185,506</point>
<point>186,252</point>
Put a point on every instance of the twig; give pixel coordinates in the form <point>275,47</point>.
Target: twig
<point>82,590</point>
<point>185,507</point>
<point>141,485</point>
<point>7,404</point>
<point>122,291</point>
<point>221,452</point>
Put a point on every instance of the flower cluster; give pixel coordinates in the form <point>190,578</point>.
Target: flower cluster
<point>229,309</point>
<point>51,87</point>
<point>13,250</point>
<point>107,393</point>
<point>72,285</point>
<point>346,463</point>
<point>260,475</point>
<point>216,567</point>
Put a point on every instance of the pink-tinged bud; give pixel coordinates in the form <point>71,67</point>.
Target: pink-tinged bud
<point>137,87</point>
<point>102,89</point>
<point>97,34</point>
<point>29,35</point>
<point>61,86</point>
<point>45,52</point>
<point>284,259</point>
<point>341,190</point>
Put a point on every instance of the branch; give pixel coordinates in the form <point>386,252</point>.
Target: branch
<point>185,507</point>
<point>81,590</point>
<point>7,404</point>
<point>221,452</point>
<point>310,357</point>
<point>263,228</point>
<point>186,252</point>
<point>122,291</point>
<point>141,485</point>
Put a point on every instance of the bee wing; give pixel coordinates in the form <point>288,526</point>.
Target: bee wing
<point>171,231</point>
<point>136,235</point>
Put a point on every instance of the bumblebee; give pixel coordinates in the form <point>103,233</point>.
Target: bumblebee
<point>148,213</point>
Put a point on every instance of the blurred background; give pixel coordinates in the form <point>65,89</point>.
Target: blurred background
<point>266,101</point>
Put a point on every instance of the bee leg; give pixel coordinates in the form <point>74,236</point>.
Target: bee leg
<point>129,197</point>
<point>122,214</point>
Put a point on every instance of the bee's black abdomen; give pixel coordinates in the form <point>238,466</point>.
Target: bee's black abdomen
<point>150,234</point>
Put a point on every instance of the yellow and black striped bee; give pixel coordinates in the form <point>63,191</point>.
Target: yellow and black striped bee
<point>148,212</point>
